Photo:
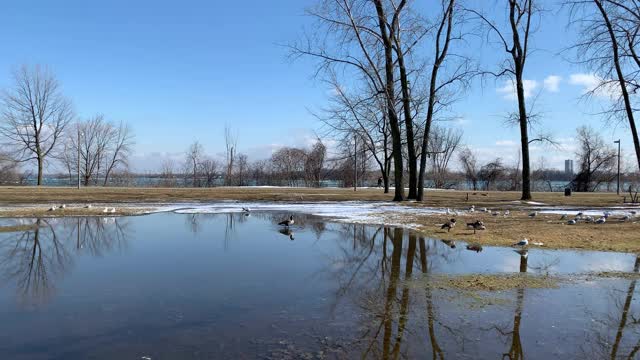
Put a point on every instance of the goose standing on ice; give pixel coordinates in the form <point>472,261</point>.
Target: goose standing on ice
<point>287,222</point>
<point>474,247</point>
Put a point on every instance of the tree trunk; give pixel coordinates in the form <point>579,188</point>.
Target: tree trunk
<point>40,161</point>
<point>390,100</point>
<point>408,121</point>
<point>621,80</point>
<point>524,140</point>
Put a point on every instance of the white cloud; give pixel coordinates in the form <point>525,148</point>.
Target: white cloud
<point>508,90</point>
<point>594,83</point>
<point>552,83</point>
<point>505,143</point>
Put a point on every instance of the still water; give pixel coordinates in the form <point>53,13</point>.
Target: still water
<point>229,286</point>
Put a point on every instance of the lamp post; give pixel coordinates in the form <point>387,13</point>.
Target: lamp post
<point>618,188</point>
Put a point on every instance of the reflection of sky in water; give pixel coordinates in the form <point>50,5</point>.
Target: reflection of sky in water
<point>233,286</point>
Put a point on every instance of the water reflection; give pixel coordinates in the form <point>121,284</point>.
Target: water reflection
<point>35,259</point>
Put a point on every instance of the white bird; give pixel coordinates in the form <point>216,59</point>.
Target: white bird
<point>507,212</point>
<point>448,212</point>
<point>601,220</point>
<point>472,208</point>
<point>572,222</point>
<point>485,210</point>
<point>53,208</point>
<point>106,210</point>
<point>287,222</point>
<point>533,214</point>
<point>112,210</point>
<point>523,242</point>
<point>588,219</point>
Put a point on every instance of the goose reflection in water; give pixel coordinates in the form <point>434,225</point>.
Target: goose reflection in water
<point>287,232</point>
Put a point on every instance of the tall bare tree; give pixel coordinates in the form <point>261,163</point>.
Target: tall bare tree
<point>193,159</point>
<point>34,115</point>
<point>469,166</point>
<point>596,160</point>
<point>443,144</point>
<point>514,40</point>
<point>609,34</point>
<point>231,143</point>
<point>118,149</point>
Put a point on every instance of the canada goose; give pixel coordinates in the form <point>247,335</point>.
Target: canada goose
<point>288,222</point>
<point>53,208</point>
<point>522,243</point>
<point>448,225</point>
<point>606,214</point>
<point>533,214</point>
<point>601,220</point>
<point>579,214</point>
<point>625,218</point>
<point>287,232</point>
<point>478,225</point>
<point>474,247</point>
<point>572,222</point>
<point>450,243</point>
<point>63,206</point>
<point>246,209</point>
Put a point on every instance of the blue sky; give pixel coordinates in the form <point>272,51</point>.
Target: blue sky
<point>179,71</point>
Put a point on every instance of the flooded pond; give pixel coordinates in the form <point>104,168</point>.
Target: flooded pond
<point>205,286</point>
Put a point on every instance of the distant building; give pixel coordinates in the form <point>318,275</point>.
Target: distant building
<point>568,167</point>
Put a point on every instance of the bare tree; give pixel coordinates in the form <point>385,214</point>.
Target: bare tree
<point>8,169</point>
<point>314,163</point>
<point>230,141</point>
<point>443,144</point>
<point>515,42</point>
<point>209,169</point>
<point>34,115</point>
<point>609,32</point>
<point>193,158</point>
<point>167,173</point>
<point>596,160</point>
<point>490,173</point>
<point>242,167</point>
<point>469,166</point>
<point>118,149</point>
<point>288,163</point>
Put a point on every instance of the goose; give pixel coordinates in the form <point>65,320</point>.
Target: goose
<point>625,218</point>
<point>287,222</point>
<point>563,217</point>
<point>580,214</point>
<point>606,214</point>
<point>246,209</point>
<point>601,220</point>
<point>588,219</point>
<point>53,208</point>
<point>448,225</point>
<point>495,213</point>
<point>522,243</point>
<point>572,222</point>
<point>448,212</point>
<point>287,232</point>
<point>478,225</point>
<point>632,212</point>
<point>450,243</point>
<point>485,210</point>
<point>474,247</point>
<point>63,206</point>
<point>533,214</point>
<point>112,210</point>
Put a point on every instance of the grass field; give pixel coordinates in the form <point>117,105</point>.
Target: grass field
<point>548,229</point>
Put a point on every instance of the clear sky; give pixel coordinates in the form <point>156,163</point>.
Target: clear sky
<point>178,71</point>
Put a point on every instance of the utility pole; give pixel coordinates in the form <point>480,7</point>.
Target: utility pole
<point>355,162</point>
<point>618,188</point>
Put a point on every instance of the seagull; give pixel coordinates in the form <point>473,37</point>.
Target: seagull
<point>448,211</point>
<point>522,243</point>
<point>474,247</point>
<point>533,214</point>
<point>112,210</point>
<point>472,208</point>
<point>588,219</point>
<point>448,225</point>
<point>478,225</point>
<point>572,222</point>
<point>485,210</point>
<point>507,212</point>
<point>601,220</point>
<point>288,222</point>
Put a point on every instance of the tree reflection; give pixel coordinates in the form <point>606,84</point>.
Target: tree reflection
<point>33,260</point>
<point>516,351</point>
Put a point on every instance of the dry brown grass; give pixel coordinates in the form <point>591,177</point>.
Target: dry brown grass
<point>490,199</point>
<point>17,228</point>
<point>489,282</point>
<point>548,229</point>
